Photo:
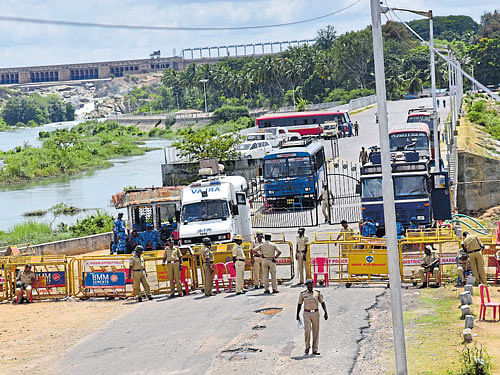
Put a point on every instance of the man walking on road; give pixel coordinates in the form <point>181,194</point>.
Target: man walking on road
<point>311,300</point>
<point>472,244</point>
<point>301,253</point>
<point>257,259</point>
<point>363,156</point>
<point>356,128</point>
<point>239,264</point>
<point>173,258</point>
<point>208,265</point>
<point>270,252</point>
<point>325,203</point>
<point>136,265</point>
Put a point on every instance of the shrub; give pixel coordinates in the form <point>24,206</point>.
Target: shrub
<point>228,113</point>
<point>100,222</point>
<point>479,106</point>
<point>474,361</point>
<point>477,117</point>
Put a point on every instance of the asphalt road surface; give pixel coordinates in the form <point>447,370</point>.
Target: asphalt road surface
<point>223,334</point>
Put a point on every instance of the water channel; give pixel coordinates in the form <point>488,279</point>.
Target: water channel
<point>88,191</point>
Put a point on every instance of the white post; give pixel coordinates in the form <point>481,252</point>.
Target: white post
<point>388,188</point>
<point>435,125</point>
<point>452,113</point>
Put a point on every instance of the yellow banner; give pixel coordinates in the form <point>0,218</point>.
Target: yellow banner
<point>368,264</point>
<point>161,272</point>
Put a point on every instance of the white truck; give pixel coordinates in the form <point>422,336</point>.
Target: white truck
<point>216,207</point>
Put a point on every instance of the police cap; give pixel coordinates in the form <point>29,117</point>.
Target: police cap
<point>139,248</point>
<point>308,281</point>
<point>206,240</point>
<point>302,229</point>
<point>259,233</point>
<point>238,237</point>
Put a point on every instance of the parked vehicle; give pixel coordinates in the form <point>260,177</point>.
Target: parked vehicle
<point>254,149</point>
<point>411,136</point>
<point>216,207</point>
<point>283,134</point>
<point>264,136</point>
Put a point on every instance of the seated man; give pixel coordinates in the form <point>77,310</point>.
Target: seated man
<point>133,241</point>
<point>25,279</point>
<point>430,263</point>
<point>463,265</point>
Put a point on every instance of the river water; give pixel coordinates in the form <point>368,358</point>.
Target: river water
<point>89,191</point>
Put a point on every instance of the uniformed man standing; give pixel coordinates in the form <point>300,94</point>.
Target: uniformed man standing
<point>346,233</point>
<point>136,265</point>
<point>257,259</point>
<point>472,244</point>
<point>208,265</point>
<point>120,236</point>
<point>325,203</point>
<point>429,264</point>
<point>239,263</point>
<point>173,258</point>
<point>463,265</point>
<point>25,280</point>
<point>311,300</point>
<point>301,254</point>
<point>270,252</point>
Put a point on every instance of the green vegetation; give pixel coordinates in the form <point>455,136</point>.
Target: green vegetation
<point>484,112</point>
<point>35,232</point>
<point>448,27</point>
<point>88,145</point>
<point>34,110</point>
<point>474,361</point>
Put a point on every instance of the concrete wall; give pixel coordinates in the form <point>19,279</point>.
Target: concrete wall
<point>478,183</point>
<point>75,246</point>
<point>184,173</point>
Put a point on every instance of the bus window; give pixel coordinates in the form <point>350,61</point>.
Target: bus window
<point>315,120</point>
<point>305,121</point>
<point>295,122</point>
<point>319,160</point>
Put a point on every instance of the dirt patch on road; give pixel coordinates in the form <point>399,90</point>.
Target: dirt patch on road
<point>34,336</point>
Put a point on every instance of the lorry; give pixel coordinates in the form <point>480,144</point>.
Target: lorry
<point>216,207</point>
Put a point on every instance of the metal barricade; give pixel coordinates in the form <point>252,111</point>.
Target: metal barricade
<point>52,277</point>
<point>4,286</point>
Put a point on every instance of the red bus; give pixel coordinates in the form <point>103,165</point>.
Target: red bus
<point>407,137</point>
<point>305,123</point>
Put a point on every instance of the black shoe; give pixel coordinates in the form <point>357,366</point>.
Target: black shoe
<point>238,293</point>
<point>316,353</point>
<point>150,297</point>
<point>306,352</point>
<point>424,285</point>
<point>267,292</point>
<point>276,291</point>
<point>139,299</point>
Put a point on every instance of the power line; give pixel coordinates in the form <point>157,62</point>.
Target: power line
<point>166,28</point>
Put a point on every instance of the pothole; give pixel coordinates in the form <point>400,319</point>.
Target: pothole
<point>239,353</point>
<point>269,310</point>
<point>258,328</point>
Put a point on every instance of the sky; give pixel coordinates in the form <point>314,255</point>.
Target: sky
<point>23,44</point>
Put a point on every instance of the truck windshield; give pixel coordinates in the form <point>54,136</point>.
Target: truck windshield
<point>372,188</point>
<point>410,186</point>
<point>405,140</point>
<point>205,210</point>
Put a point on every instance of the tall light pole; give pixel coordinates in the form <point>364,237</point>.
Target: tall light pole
<point>204,81</point>
<point>388,189</point>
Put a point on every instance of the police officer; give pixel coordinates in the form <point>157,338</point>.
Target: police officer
<point>356,128</point>
<point>173,258</point>
<point>325,203</point>
<point>136,265</point>
<point>270,252</point>
<point>346,234</point>
<point>257,259</point>
<point>301,253</point>
<point>463,265</point>
<point>208,265</point>
<point>429,264</point>
<point>239,263</point>
<point>25,280</point>
<point>120,236</point>
<point>311,300</point>
<point>369,228</point>
<point>473,246</point>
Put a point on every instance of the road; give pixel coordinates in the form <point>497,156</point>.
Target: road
<point>190,335</point>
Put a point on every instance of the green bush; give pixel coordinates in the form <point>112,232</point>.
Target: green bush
<point>228,113</point>
<point>474,361</point>
<point>100,222</point>
<point>477,117</point>
<point>479,106</point>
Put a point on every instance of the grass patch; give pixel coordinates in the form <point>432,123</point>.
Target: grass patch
<point>362,109</point>
<point>35,213</point>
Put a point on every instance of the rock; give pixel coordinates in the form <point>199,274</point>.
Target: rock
<point>471,280</point>
<point>465,298</point>
<point>469,321</point>
<point>465,310</point>
<point>469,288</point>
<point>467,335</point>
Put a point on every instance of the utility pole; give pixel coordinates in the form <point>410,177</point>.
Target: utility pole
<point>388,189</point>
<point>435,124</point>
<point>204,81</point>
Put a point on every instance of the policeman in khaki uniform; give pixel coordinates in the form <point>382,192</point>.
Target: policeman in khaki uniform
<point>257,259</point>
<point>311,300</point>
<point>301,253</point>
<point>325,203</point>
<point>463,265</point>
<point>239,263</point>
<point>208,265</point>
<point>429,264</point>
<point>25,279</point>
<point>173,258</point>
<point>472,244</point>
<point>136,265</point>
<point>270,252</point>
<point>346,234</point>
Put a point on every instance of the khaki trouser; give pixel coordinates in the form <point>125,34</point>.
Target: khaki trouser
<point>174,274</point>
<point>209,278</point>
<point>269,266</point>
<point>19,293</point>
<point>461,274</point>
<point>140,278</point>
<point>240,274</point>
<point>311,322</point>
<point>325,209</point>
<point>422,274</point>
<point>477,267</point>
<point>302,266</point>
<point>257,270</point>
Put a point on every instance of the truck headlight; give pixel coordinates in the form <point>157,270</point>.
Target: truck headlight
<point>307,189</point>
<point>421,217</point>
<point>271,192</point>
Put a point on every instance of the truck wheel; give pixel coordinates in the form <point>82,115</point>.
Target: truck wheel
<point>348,285</point>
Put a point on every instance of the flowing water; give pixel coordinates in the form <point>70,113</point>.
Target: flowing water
<point>89,191</point>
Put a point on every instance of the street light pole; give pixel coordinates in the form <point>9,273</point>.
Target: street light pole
<point>435,125</point>
<point>204,81</point>
<point>388,189</point>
